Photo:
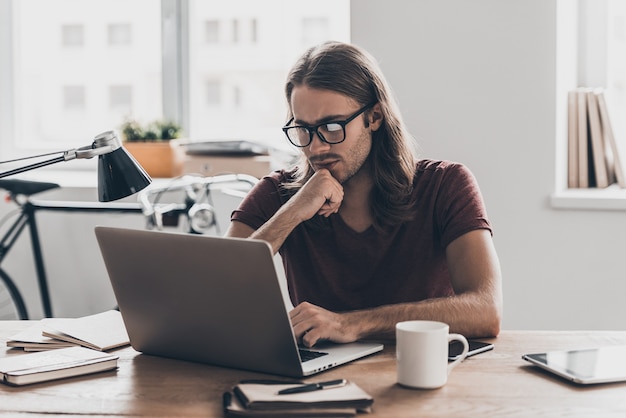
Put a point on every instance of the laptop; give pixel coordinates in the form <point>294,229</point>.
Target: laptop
<point>584,366</point>
<point>213,300</point>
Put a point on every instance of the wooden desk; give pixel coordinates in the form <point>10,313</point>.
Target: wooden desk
<point>494,384</point>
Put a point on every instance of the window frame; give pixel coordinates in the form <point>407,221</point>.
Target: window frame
<point>583,23</point>
<point>7,113</point>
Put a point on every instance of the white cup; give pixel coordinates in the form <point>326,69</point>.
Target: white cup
<point>422,353</point>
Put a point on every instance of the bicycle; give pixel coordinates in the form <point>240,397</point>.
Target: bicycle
<point>197,206</point>
<point>196,209</point>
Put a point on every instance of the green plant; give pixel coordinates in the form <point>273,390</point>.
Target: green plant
<point>159,130</point>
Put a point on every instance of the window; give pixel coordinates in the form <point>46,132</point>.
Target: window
<point>213,96</point>
<point>236,96</point>
<point>271,35</point>
<point>314,28</point>
<point>71,70</point>
<point>121,97</point>
<point>74,97</point>
<point>598,33</point>
<point>235,31</point>
<point>51,80</point>
<point>120,34</point>
<point>253,30</point>
<point>212,31</point>
<point>72,35</point>
<point>602,53</point>
<point>616,60</point>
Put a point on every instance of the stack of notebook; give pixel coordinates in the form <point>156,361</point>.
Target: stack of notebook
<point>102,332</point>
<point>65,347</point>
<point>335,398</point>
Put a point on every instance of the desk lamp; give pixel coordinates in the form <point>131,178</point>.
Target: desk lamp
<point>119,175</point>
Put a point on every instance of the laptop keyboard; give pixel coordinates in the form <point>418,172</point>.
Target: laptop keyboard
<point>306,355</point>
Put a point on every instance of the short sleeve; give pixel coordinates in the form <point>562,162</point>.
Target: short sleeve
<point>261,202</point>
<point>460,206</point>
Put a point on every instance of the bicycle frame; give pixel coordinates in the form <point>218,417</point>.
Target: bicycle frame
<point>27,217</point>
<point>5,245</point>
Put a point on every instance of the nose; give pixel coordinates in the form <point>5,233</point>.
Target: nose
<point>317,143</point>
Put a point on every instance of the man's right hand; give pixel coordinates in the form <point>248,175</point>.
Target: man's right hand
<point>321,195</point>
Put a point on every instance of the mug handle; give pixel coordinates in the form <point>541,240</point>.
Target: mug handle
<point>463,340</point>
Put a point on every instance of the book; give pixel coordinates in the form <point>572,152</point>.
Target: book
<point>572,139</point>
<point>49,365</point>
<point>102,331</point>
<point>264,397</point>
<point>234,408</point>
<point>607,129</point>
<point>596,139</point>
<point>31,339</point>
<point>583,153</point>
<point>237,148</point>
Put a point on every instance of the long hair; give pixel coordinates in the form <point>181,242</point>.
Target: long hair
<point>351,71</point>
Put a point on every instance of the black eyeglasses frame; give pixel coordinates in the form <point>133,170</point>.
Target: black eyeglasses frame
<point>315,128</point>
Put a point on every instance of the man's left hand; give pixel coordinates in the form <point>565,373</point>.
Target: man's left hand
<point>312,324</point>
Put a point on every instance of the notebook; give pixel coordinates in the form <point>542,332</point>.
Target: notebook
<point>584,366</point>
<point>209,299</point>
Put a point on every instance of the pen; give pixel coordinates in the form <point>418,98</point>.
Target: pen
<point>226,399</point>
<point>314,386</point>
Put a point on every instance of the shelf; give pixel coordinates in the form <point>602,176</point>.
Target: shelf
<point>611,198</point>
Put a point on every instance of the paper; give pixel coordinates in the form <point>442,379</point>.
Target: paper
<point>31,339</point>
<point>102,331</point>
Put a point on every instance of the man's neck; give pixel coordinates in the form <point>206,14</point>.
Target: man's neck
<point>355,209</point>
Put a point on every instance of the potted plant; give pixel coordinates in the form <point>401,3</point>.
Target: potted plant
<point>156,146</point>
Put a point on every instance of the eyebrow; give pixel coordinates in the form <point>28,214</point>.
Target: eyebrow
<point>325,119</point>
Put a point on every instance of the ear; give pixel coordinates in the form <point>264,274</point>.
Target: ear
<point>375,117</point>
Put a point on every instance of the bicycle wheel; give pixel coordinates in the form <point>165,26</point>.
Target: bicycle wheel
<point>11,304</point>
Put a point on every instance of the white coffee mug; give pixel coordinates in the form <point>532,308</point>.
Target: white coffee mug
<point>422,353</point>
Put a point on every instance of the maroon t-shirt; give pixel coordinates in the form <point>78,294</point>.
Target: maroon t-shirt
<point>339,269</point>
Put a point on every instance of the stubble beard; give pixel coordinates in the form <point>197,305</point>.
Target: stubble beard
<point>359,159</point>
<point>357,162</point>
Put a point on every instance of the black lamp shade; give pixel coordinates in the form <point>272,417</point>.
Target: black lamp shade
<point>119,175</point>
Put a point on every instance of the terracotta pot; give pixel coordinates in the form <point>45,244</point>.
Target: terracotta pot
<point>159,159</point>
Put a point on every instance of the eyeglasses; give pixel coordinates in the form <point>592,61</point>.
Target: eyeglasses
<point>329,132</point>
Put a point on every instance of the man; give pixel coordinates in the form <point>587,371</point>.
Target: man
<point>370,235</point>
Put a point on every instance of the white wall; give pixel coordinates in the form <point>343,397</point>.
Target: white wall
<point>477,82</point>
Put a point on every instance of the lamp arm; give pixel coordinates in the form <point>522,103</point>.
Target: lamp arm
<point>32,166</point>
<point>104,143</point>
